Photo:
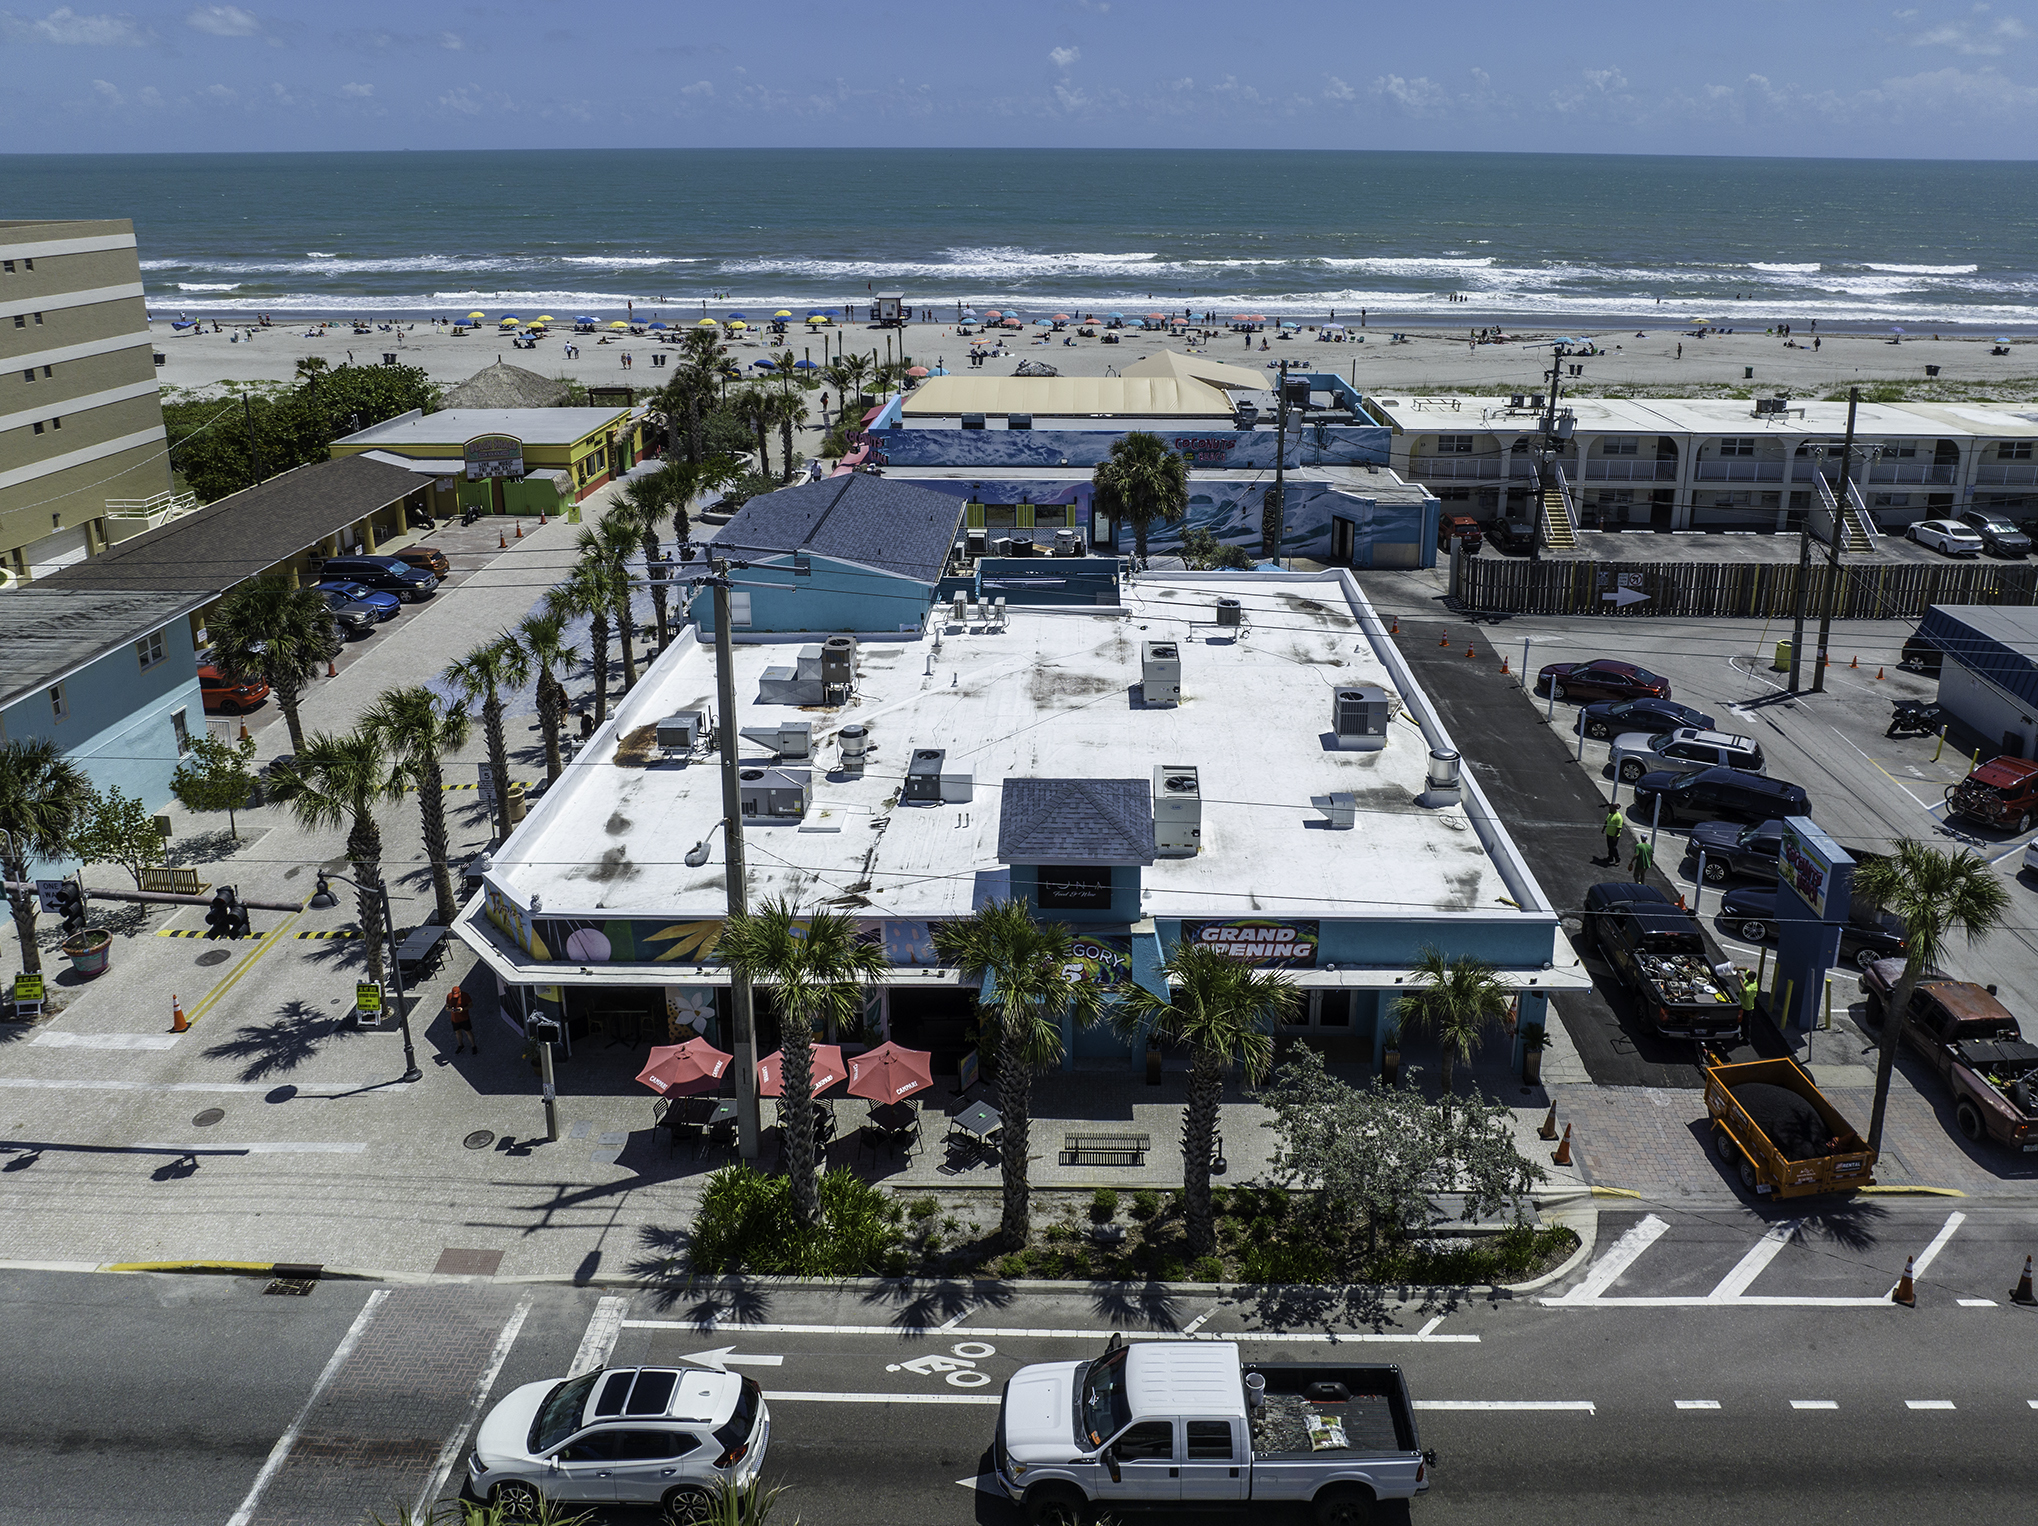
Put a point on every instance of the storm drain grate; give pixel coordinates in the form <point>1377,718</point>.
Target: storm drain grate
<point>208,1118</point>
<point>480,1139</point>
<point>294,1279</point>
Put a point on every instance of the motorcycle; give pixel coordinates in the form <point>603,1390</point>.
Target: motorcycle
<point>469,515</point>
<point>1914,717</point>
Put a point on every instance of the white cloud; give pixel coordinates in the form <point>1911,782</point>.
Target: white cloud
<point>357,89</point>
<point>1063,57</point>
<point>67,28</point>
<point>1421,96</point>
<point>223,21</point>
<point>109,94</point>
<point>698,87</point>
<point>1976,35</point>
<point>1338,90</point>
<point>220,93</point>
<point>452,42</point>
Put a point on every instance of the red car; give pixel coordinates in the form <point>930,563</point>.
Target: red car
<point>223,696</point>
<point>1601,679</point>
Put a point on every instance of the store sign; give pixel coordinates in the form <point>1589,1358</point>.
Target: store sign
<point>1258,940</point>
<point>1804,864</point>
<point>493,455</point>
<point>1105,961</point>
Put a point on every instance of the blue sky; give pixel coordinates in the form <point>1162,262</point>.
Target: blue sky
<point>1783,77</point>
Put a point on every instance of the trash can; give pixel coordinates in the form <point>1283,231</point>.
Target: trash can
<point>1748,372</point>
<point>516,803</point>
<point>1782,664</point>
<point>1931,370</point>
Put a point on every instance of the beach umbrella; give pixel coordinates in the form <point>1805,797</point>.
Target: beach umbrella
<point>477,315</point>
<point>1011,323</point>
<point>619,324</point>
<point>916,370</point>
<point>738,315</point>
<point>739,324</point>
<point>806,365</point>
<point>709,323</point>
<point>1117,315</point>
<point>994,313</point>
<point>783,312</point>
<point>830,1069</point>
<point>684,1069</point>
<point>763,365</point>
<point>1061,317</point>
<point>889,1073</point>
<point>544,317</point>
<point>1287,323</point>
<point>509,323</point>
<point>938,371</point>
<point>658,325</point>
<point>583,319</point>
<point>1896,329</point>
<point>1046,323</point>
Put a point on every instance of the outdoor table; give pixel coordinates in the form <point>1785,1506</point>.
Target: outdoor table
<point>709,1111</point>
<point>893,1117</point>
<point>978,1123</point>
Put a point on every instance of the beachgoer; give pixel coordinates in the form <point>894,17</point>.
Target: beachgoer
<point>1815,343</point>
<point>461,1020</point>
<point>1615,824</point>
<point>1680,349</point>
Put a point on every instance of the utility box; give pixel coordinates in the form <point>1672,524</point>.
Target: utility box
<point>682,732</point>
<point>775,794</point>
<point>958,788</point>
<point>1359,716</point>
<point>838,661</point>
<point>789,739</point>
<point>1160,671</point>
<point>923,777</point>
<point>1177,810</point>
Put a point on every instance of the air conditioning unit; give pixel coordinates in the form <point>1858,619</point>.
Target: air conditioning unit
<point>923,777</point>
<point>1177,809</point>
<point>1359,716</point>
<point>838,661</point>
<point>682,732</point>
<point>1245,414</point>
<point>774,794</point>
<point>1228,612</point>
<point>1068,542</point>
<point>789,739</point>
<point>1160,671</point>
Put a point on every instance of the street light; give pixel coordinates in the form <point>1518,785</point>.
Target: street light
<point>323,899</point>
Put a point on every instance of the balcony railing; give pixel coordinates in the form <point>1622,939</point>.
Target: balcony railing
<point>1617,470</point>
<point>2007,473</point>
<point>1739,471</point>
<point>1911,471</point>
<point>1466,468</point>
<point>158,510</point>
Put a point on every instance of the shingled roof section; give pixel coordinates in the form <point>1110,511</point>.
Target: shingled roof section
<point>890,526</point>
<point>1076,821</point>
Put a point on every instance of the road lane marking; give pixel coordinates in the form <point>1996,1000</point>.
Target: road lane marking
<point>1626,1250</point>
<point>722,1358</point>
<point>1751,1266</point>
<point>1698,1404</point>
<point>104,1040</point>
<point>785,1396</point>
<point>449,1454</point>
<point>1928,1404</point>
<point>1428,1329</point>
<point>1814,1404</point>
<point>603,1326</point>
<point>1931,1254</point>
<point>984,1483</point>
<point>1244,1337</point>
<point>280,1453</point>
<point>263,1147</point>
<point>1197,1323</point>
<point>1582,1406</point>
<point>303,1088</point>
<point>267,941</point>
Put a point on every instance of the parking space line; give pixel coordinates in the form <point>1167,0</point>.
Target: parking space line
<point>1931,1252</point>
<point>1751,1266</point>
<point>782,1396</point>
<point>1578,1406</point>
<point>1626,1250</point>
<point>895,1332</point>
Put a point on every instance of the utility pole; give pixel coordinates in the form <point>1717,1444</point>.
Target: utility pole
<point>1833,557</point>
<point>741,1017</point>
<point>1280,504</point>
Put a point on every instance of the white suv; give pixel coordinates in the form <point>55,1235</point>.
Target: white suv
<point>1687,750</point>
<point>666,1437</point>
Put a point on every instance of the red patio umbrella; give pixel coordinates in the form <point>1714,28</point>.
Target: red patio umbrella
<point>684,1070</point>
<point>829,1069</point>
<point>889,1073</point>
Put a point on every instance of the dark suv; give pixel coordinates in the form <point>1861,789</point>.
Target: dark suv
<point>386,573</point>
<point>1749,852</point>
<point>1718,794</point>
<point>1999,537</point>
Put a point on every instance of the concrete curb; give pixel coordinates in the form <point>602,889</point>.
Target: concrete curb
<point>1584,1223</point>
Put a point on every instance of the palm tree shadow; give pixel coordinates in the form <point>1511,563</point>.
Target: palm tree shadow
<point>921,1305</point>
<point>1151,1304</point>
<point>338,953</point>
<point>298,1032</point>
<point>1851,1226</point>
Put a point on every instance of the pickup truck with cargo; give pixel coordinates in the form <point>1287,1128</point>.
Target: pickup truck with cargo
<point>1659,954</point>
<point>1780,1132</point>
<point>2002,793</point>
<point>1186,1425</point>
<point>1974,1043</point>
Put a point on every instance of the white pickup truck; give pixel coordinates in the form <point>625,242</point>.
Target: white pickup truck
<point>1187,1424</point>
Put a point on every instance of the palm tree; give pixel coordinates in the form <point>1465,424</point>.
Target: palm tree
<point>586,591</point>
<point>418,730</point>
<point>645,498</point>
<point>849,373</point>
<point>495,665</point>
<point>44,798</point>
<point>543,635</point>
<point>753,405</point>
<point>335,780</point>
<point>789,412</point>
<point>1935,895</point>
<point>1027,965</point>
<point>690,480</point>
<point>612,541</point>
<point>696,379</point>
<point>820,970</point>
<point>1142,480</point>
<point>268,632</point>
<point>1457,1000</point>
<point>1224,1009</point>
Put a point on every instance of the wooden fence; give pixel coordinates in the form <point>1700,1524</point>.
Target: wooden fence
<point>1687,590</point>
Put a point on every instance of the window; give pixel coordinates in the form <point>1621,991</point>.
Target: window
<point>7,265</point>
<point>21,320</point>
<point>1741,447</point>
<point>56,423</point>
<point>38,426</point>
<point>1210,1441</point>
<point>652,1393</point>
<point>1075,887</point>
<point>1051,516</point>
<point>1895,450</point>
<point>38,320</point>
<point>2014,450</point>
<point>972,421</point>
<point>1620,445</point>
<point>1018,421</point>
<point>1150,1440</point>
<point>29,374</point>
<point>1454,445</point>
<point>1334,1010</point>
<point>150,649</point>
<point>180,723</point>
<point>596,1446</point>
<point>28,264</point>
<point>58,707</point>
<point>48,371</point>
<point>1001,516</point>
<point>654,1446</point>
<point>613,1392</point>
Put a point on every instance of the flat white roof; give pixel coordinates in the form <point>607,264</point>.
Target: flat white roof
<point>1188,1378</point>
<point>1417,414</point>
<point>456,426</point>
<point>1051,695</point>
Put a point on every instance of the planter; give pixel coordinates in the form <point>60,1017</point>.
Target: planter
<point>1532,1067</point>
<point>1390,1066</point>
<point>88,952</point>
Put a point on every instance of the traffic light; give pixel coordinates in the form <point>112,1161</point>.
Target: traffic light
<point>545,1030</point>
<point>238,928</point>
<point>226,917</point>
<point>71,906</point>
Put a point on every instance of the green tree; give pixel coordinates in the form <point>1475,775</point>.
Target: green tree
<point>291,427</point>
<point>1935,895</point>
<point>119,829</point>
<point>543,635</point>
<point>610,543</point>
<point>44,797</point>
<point>214,776</point>
<point>269,632</point>
<point>418,730</point>
<point>1142,480</point>
<point>586,590</point>
<point>1204,552</point>
<point>497,664</point>
<point>820,971</point>
<point>692,392</point>
<point>1457,1001</point>
<point>756,406</point>
<point>688,481</point>
<point>1224,1009</point>
<point>1033,981</point>
<point>647,498</point>
<point>342,780</point>
<point>789,412</point>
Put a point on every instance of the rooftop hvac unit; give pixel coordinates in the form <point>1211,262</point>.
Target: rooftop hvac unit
<point>789,739</point>
<point>1022,543</point>
<point>809,664</point>
<point>774,794</point>
<point>682,732</point>
<point>855,744</point>
<point>1296,390</point>
<point>958,788</point>
<point>1245,413</point>
<point>1517,400</point>
<point>838,661</point>
<point>1536,401</point>
<point>1160,671</point>
<point>958,606</point>
<point>1358,717</point>
<point>1068,542</point>
<point>1228,611</point>
<point>1177,809</point>
<point>923,777</point>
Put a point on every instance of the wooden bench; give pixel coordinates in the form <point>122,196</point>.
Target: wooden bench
<point>173,882</point>
<point>1105,1149</point>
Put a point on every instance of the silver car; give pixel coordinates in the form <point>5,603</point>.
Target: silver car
<point>665,1437</point>
<point>1686,750</point>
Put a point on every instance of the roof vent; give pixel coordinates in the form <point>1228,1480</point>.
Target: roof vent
<point>1358,718</point>
<point>1177,810</point>
<point>789,739</point>
<point>682,733</point>
<point>1160,672</point>
<point>855,744</point>
<point>1445,780</point>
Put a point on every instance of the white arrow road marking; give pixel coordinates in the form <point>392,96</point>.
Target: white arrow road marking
<point>894,1332</point>
<point>984,1483</point>
<point>599,1342</point>
<point>722,1358</point>
<point>1750,1266</point>
<point>449,1454</point>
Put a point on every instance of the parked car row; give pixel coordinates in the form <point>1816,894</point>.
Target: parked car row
<point>1971,534</point>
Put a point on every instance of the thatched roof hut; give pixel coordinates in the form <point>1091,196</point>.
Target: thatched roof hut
<point>506,386</point>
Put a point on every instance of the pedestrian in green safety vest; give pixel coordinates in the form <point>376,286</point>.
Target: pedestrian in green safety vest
<point>1615,825</point>
<point>1645,855</point>
<point>1749,986</point>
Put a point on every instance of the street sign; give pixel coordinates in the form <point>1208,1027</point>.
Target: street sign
<point>368,999</point>
<point>487,785</point>
<point>50,893</point>
<point>1623,597</point>
<point>27,989</point>
<point>1622,589</point>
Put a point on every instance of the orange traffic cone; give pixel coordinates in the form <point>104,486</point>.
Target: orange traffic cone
<point>244,731</point>
<point>179,1023</point>
<point>1549,1128</point>
<point>1469,652</point>
<point>1563,1155</point>
<point>1503,665</point>
<point>1878,675</point>
<point>501,541</point>
<point>1445,639</point>
<point>1397,627</point>
<point>541,519</point>
<point>2021,1293</point>
<point>1904,1293</point>
<point>332,671</point>
<point>1855,663</point>
<point>520,529</point>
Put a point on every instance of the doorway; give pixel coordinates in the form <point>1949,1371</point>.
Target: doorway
<point>1342,539</point>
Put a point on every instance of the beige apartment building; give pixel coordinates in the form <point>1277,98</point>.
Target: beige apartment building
<point>81,419</point>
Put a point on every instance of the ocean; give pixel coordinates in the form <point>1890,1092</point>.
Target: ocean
<point>1547,240</point>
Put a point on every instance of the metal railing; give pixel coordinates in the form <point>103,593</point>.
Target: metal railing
<point>2007,474</point>
<point>159,509</point>
<point>1911,471</point>
<point>1739,471</point>
<point>1616,470</point>
<point>1467,468</point>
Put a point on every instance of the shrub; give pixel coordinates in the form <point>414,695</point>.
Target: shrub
<point>1060,1234</point>
<point>1079,1264</point>
<point>1515,1247</point>
<point>922,1208</point>
<point>1146,1204</point>
<point>1103,1205</point>
<point>1220,1201</point>
<point>1278,1261</point>
<point>952,1225</point>
<point>1010,1267</point>
<point>746,1223</point>
<point>1207,1269</point>
<point>895,1262</point>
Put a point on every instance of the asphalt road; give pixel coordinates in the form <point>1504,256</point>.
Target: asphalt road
<point>1764,1376</point>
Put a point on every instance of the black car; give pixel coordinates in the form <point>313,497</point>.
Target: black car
<point>1612,717</point>
<point>1921,655</point>
<point>1998,536</point>
<point>1716,794</point>
<point>386,574</point>
<point>1730,850</point>
<point>1513,536</point>
<point>1864,937</point>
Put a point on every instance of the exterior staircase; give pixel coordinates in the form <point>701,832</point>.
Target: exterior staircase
<point>1559,529</point>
